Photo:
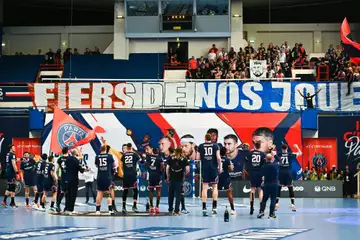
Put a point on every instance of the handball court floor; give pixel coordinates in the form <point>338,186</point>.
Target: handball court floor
<point>314,219</point>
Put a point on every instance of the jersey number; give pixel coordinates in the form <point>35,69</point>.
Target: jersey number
<point>128,159</point>
<point>284,160</point>
<point>103,162</point>
<point>153,162</point>
<point>256,158</point>
<point>46,171</point>
<point>39,167</point>
<point>208,151</point>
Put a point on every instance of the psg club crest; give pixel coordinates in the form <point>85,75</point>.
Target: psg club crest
<point>69,134</point>
<point>319,160</point>
<point>187,188</point>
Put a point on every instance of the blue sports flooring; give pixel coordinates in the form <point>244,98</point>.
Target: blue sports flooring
<point>314,219</point>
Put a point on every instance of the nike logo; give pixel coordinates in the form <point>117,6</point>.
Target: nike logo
<point>246,190</point>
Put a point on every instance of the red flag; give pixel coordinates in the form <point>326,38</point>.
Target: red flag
<point>351,47</point>
<point>66,132</point>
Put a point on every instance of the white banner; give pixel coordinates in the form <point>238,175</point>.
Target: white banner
<point>257,69</point>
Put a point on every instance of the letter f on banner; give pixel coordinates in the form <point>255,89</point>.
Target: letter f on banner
<point>66,132</point>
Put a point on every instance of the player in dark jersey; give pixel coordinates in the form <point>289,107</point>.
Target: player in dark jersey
<point>61,173</point>
<point>27,167</point>
<point>155,166</point>
<point>234,161</point>
<point>270,174</point>
<point>39,171</point>
<point>255,160</point>
<point>11,171</point>
<point>209,154</point>
<point>129,162</point>
<point>214,136</point>
<point>50,182</point>
<point>105,164</point>
<point>285,159</point>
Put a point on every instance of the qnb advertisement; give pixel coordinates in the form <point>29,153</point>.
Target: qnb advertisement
<point>346,130</point>
<point>140,128</point>
<point>215,96</point>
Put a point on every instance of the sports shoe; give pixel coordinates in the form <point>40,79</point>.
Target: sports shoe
<point>28,206</point>
<point>41,209</point>
<point>152,210</point>
<point>205,213</point>
<point>176,214</point>
<point>272,216</point>
<point>3,203</point>
<point>97,213</point>
<point>260,215</point>
<point>74,213</point>
<point>184,211</point>
<point>53,209</point>
<point>251,211</point>
<point>124,211</point>
<point>214,212</point>
<point>135,209</point>
<point>13,205</point>
<point>114,209</point>
<point>157,210</point>
<point>233,212</point>
<point>111,212</point>
<point>276,207</point>
<point>35,206</point>
<point>293,208</point>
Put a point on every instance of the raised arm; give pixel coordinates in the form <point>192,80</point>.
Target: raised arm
<point>316,93</point>
<point>301,94</point>
<point>298,153</point>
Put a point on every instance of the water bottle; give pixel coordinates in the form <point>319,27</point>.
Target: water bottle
<point>147,206</point>
<point>226,215</point>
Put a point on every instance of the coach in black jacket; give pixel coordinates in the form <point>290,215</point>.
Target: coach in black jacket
<point>73,167</point>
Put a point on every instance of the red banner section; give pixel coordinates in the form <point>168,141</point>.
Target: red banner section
<point>320,152</point>
<point>30,145</point>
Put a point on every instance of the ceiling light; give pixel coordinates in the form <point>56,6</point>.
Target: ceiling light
<point>236,15</point>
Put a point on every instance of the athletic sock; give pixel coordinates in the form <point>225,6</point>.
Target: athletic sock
<point>124,205</point>
<point>232,206</point>
<point>36,197</point>
<point>5,198</point>
<point>113,203</point>
<point>182,201</point>
<point>204,205</point>
<point>98,208</point>
<point>12,201</point>
<point>43,204</point>
<point>110,208</point>
<point>27,201</point>
<point>292,201</point>
<point>52,204</point>
<point>252,204</point>
<point>277,200</point>
<point>134,204</point>
<point>157,202</point>
<point>214,204</point>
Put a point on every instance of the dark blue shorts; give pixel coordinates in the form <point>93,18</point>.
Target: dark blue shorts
<point>40,184</point>
<point>130,182</point>
<point>255,179</point>
<point>285,178</point>
<point>50,187</point>
<point>155,180</point>
<point>224,184</point>
<point>104,185</point>
<point>29,181</point>
<point>211,177</point>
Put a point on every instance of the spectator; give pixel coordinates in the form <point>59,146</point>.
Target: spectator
<point>39,52</point>
<point>341,75</point>
<point>188,74</point>
<point>193,65</point>
<point>295,51</point>
<point>331,49</point>
<point>349,79</point>
<point>348,176</point>
<point>323,174</point>
<point>76,52</point>
<point>212,55</point>
<point>201,61</point>
<point>214,49</point>
<point>50,57</point>
<point>261,49</point>
<point>302,50</point>
<point>58,57</point>
<point>67,55</point>
<point>96,51</point>
<point>222,53</point>
<point>333,173</point>
<point>249,49</point>
<point>174,60</point>
<point>313,175</point>
<point>286,47</point>
<point>88,52</point>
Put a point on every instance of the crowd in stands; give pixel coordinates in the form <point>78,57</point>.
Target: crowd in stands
<point>222,64</point>
<point>346,176</point>
<point>59,57</point>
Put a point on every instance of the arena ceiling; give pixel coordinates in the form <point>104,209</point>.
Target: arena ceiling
<point>100,12</point>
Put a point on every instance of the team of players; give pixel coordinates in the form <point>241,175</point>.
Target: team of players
<point>218,165</point>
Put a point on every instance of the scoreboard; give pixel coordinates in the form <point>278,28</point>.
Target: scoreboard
<point>177,22</point>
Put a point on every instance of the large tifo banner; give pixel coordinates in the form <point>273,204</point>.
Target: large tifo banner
<point>285,128</point>
<point>346,129</point>
<point>214,96</point>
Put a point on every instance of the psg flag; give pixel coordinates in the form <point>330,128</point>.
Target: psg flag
<point>66,132</point>
<point>351,47</point>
